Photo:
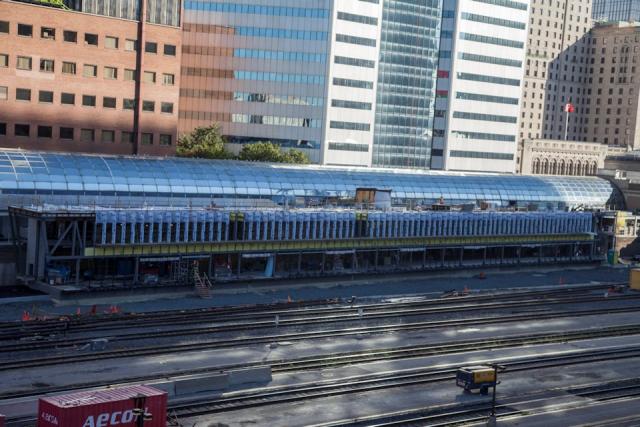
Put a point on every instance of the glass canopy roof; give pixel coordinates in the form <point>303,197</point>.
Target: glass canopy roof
<point>23,172</point>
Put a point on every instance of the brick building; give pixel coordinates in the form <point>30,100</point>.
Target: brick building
<point>71,81</point>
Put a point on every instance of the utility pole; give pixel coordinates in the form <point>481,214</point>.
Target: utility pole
<point>491,421</point>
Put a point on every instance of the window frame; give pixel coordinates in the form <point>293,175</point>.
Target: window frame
<point>19,57</point>
<point>62,95</point>
<point>149,103</point>
<point>115,72</point>
<point>44,30</point>
<point>26,90</point>
<point>95,70</point>
<point>88,97</point>
<point>66,128</point>
<point>48,93</point>
<point>66,33</point>
<point>22,27</point>
<point>48,135</point>
<point>88,37</point>
<point>148,45</point>
<point>15,130</point>
<point>109,38</point>
<point>44,61</point>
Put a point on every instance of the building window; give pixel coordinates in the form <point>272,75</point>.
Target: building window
<point>90,70</point>
<point>87,135</point>
<point>70,36</point>
<point>48,33</point>
<point>108,136</point>
<point>169,50</point>
<point>46,65</point>
<point>23,63</point>
<point>127,137</point>
<point>165,139</point>
<point>149,77</point>
<point>68,67</point>
<point>45,96</point>
<point>67,98</point>
<point>4,27</point>
<point>21,130</point>
<point>148,106</point>
<point>91,39</point>
<point>66,133</point>
<point>147,139</point>
<point>23,94</point>
<point>130,45</point>
<point>110,73</point>
<point>166,107</point>
<point>3,128</point>
<point>89,100</point>
<point>108,102</point>
<point>151,47</point>
<point>168,79</point>
<point>128,104</point>
<point>45,131</point>
<point>25,30</point>
<point>129,75</point>
<point>4,93</point>
<point>111,42</point>
<point>4,60</point>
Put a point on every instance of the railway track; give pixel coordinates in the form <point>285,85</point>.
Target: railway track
<point>350,358</point>
<point>475,414</point>
<point>54,343</point>
<point>70,324</point>
<point>307,392</point>
<point>24,363</point>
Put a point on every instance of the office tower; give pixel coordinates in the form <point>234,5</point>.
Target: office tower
<point>409,45</point>
<point>616,10</point>
<point>612,116</point>
<point>557,71</point>
<point>298,73</point>
<point>479,84</point>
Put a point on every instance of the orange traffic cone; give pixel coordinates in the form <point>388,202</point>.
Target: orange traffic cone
<point>25,316</point>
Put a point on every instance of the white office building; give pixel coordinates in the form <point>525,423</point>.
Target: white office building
<point>351,83</point>
<point>482,54</point>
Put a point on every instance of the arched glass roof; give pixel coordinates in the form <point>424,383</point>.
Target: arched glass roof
<point>23,172</point>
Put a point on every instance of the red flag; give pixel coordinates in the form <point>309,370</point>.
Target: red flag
<point>569,108</point>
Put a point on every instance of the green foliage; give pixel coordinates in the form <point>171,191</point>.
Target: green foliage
<point>204,143</point>
<point>261,152</point>
<point>270,152</point>
<point>208,143</point>
<point>295,156</point>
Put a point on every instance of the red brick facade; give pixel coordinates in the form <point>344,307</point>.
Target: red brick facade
<point>66,95</point>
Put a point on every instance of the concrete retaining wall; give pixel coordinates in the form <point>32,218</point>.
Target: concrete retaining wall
<point>215,382</point>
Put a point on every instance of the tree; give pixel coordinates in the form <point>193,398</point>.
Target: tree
<point>270,152</point>
<point>296,156</point>
<point>203,142</point>
<point>261,152</point>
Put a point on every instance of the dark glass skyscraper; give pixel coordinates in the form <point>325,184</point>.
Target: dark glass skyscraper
<point>616,10</point>
<point>407,69</point>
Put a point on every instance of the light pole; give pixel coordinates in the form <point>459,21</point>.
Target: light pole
<point>492,422</point>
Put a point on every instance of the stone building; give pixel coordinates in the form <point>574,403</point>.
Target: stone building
<point>558,157</point>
